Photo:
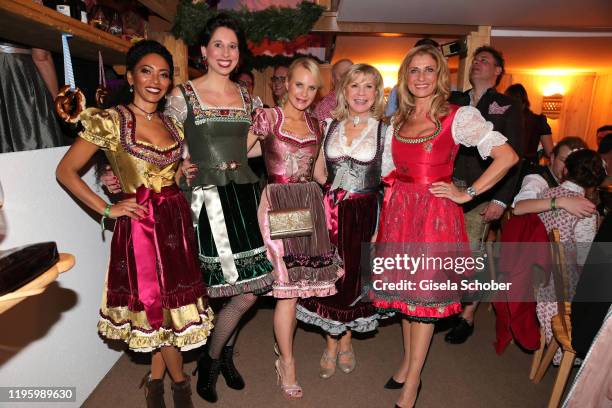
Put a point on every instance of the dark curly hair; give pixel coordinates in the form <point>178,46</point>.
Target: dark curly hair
<point>223,20</point>
<point>585,168</point>
<point>136,53</point>
<point>145,47</point>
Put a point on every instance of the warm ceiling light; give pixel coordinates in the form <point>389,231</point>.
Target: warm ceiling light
<point>391,35</point>
<point>553,88</point>
<point>388,72</point>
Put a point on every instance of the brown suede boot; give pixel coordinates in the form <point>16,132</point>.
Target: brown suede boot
<point>154,392</point>
<point>181,393</point>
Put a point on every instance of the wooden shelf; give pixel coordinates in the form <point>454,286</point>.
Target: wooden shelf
<point>38,285</point>
<point>26,22</point>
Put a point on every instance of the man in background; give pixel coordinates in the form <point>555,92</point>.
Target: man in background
<point>279,76</point>
<point>328,103</point>
<point>486,71</point>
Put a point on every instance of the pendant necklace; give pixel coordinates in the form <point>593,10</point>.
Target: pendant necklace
<point>355,120</point>
<point>148,115</point>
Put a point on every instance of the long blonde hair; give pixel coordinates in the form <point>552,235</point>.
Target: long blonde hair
<point>341,111</point>
<point>311,66</point>
<point>406,101</point>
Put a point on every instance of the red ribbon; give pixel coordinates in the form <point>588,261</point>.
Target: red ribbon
<point>146,254</point>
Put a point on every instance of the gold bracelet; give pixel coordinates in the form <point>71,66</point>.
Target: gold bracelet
<point>553,203</point>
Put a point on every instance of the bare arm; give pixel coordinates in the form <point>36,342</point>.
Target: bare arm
<point>44,63</point>
<point>67,173</point>
<point>503,157</point>
<point>547,144</point>
<point>578,206</point>
<point>253,148</point>
<point>320,170</point>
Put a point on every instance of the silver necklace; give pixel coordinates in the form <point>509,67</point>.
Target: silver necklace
<point>355,120</point>
<point>148,115</point>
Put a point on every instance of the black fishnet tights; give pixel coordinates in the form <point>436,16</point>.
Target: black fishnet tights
<point>226,323</point>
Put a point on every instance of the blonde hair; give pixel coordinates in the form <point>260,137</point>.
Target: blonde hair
<point>341,111</point>
<point>406,101</point>
<point>311,66</point>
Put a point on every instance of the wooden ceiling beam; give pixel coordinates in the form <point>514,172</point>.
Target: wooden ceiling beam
<point>166,9</point>
<point>328,22</point>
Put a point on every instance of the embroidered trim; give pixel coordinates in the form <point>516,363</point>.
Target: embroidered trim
<point>146,151</point>
<point>203,114</point>
<point>418,140</point>
<point>290,139</point>
<point>240,255</point>
<point>320,261</point>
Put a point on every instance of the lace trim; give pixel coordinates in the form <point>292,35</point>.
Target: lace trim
<point>387,165</point>
<point>333,327</point>
<point>176,107</point>
<point>334,130</point>
<point>470,129</point>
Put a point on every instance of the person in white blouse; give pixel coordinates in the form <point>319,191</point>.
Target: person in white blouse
<point>352,150</point>
<point>584,171</point>
<point>421,205</point>
<point>527,201</point>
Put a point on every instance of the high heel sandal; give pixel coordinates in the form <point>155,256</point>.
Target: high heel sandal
<point>349,366</point>
<point>327,372</point>
<point>291,391</point>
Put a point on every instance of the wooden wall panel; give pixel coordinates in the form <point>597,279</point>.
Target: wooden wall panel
<point>576,112</point>
<point>601,109</point>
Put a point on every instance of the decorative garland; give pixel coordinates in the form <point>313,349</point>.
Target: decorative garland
<point>273,23</point>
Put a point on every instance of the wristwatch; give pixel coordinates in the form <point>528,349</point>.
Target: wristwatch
<point>471,191</point>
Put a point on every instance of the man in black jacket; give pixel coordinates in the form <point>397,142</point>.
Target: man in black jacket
<point>486,72</point>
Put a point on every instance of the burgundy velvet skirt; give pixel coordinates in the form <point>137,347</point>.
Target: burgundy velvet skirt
<point>351,221</point>
<point>154,293</point>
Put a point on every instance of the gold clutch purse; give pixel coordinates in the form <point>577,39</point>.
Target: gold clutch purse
<point>290,222</point>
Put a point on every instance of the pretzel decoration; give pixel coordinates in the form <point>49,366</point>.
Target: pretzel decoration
<point>102,94</point>
<point>69,104</point>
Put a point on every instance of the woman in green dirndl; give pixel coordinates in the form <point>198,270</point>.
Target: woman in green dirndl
<point>224,195</point>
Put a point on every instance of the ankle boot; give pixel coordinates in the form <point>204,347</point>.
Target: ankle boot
<point>181,393</point>
<point>154,392</point>
<point>208,371</point>
<point>233,379</point>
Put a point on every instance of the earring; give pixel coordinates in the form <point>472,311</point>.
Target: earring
<point>131,88</point>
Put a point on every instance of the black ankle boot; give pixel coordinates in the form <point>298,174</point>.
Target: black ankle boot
<point>208,372</point>
<point>233,379</point>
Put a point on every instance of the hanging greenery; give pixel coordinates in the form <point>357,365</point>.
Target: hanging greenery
<point>273,23</point>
